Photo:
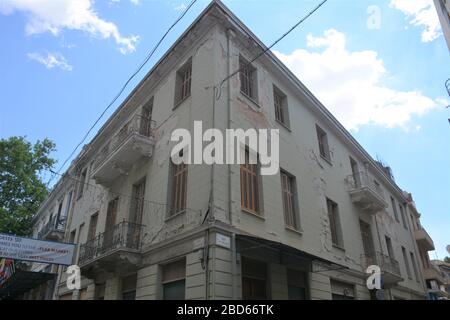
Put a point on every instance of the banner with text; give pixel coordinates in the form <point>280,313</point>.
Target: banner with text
<point>27,249</point>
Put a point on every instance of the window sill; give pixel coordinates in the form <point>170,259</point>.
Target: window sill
<point>249,99</point>
<point>326,160</point>
<point>285,126</point>
<point>174,216</point>
<point>338,248</point>
<point>253,214</point>
<point>297,231</point>
<point>177,104</point>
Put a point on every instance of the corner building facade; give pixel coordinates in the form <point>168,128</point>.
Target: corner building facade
<point>149,229</point>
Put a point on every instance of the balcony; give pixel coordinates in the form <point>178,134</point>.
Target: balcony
<point>53,230</point>
<point>424,240</point>
<point>134,141</point>
<point>390,268</point>
<point>365,192</point>
<point>433,273</point>
<point>114,251</point>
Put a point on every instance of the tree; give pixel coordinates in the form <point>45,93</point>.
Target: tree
<point>447,259</point>
<point>21,187</point>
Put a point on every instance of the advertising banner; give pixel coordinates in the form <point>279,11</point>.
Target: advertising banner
<point>27,249</point>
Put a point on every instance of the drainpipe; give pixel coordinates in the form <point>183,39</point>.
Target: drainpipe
<point>233,266</point>
<point>229,33</point>
<point>230,213</point>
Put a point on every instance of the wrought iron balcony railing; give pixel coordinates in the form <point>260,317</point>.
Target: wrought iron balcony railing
<point>54,224</point>
<point>385,262</point>
<point>125,236</point>
<point>138,124</point>
<point>361,179</point>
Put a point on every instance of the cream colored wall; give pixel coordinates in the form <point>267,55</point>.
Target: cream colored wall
<point>316,178</point>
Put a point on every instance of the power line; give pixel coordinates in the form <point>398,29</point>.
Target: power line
<point>124,87</point>
<point>114,192</point>
<point>272,45</point>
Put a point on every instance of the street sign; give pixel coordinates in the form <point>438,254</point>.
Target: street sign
<point>27,249</point>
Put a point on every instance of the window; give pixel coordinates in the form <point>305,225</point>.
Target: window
<point>92,226</point>
<point>297,285</point>
<point>72,236</point>
<point>281,108</point>
<point>129,287</point>
<point>178,187</point>
<point>405,259</point>
<point>137,203</point>
<point>254,280</point>
<point>394,209</point>
<point>99,293</point>
<point>414,264</point>
<point>80,231</point>
<point>425,259</point>
<point>249,185</point>
<point>335,229</point>
<point>72,240</point>
<point>323,143</point>
<point>173,280</point>
<point>390,249</point>
<point>81,183</point>
<point>183,82</point>
<point>146,119</point>
<point>355,173</point>
<point>288,191</point>
<point>368,245</point>
<point>402,213</point>
<point>248,78</point>
<point>342,290</point>
<point>83,294</point>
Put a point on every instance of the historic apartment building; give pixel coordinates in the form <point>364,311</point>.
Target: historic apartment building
<point>443,10</point>
<point>149,229</point>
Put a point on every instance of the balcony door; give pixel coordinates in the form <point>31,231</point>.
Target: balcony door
<point>146,119</point>
<point>367,240</point>
<point>355,172</point>
<point>111,217</point>
<point>136,213</point>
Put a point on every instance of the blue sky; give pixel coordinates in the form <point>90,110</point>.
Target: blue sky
<point>380,70</point>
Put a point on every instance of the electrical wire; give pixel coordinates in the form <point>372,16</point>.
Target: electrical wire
<point>264,51</point>
<point>147,58</point>
<point>114,192</point>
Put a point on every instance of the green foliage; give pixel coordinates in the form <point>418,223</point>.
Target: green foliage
<point>21,187</point>
<point>447,259</point>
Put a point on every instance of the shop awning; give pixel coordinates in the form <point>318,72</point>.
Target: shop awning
<point>23,281</point>
<point>260,242</point>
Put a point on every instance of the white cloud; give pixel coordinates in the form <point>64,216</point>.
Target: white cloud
<point>55,15</point>
<point>51,60</point>
<point>349,84</point>
<point>421,13</point>
<point>135,2</point>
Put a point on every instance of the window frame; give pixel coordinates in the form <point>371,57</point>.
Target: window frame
<point>81,183</point>
<point>281,107</point>
<point>177,199</point>
<point>183,82</point>
<point>324,147</point>
<point>253,171</point>
<point>335,224</point>
<point>290,181</point>
<point>248,78</point>
<point>174,264</point>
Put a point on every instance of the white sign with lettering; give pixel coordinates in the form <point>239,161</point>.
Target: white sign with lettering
<point>222,240</point>
<point>27,249</point>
